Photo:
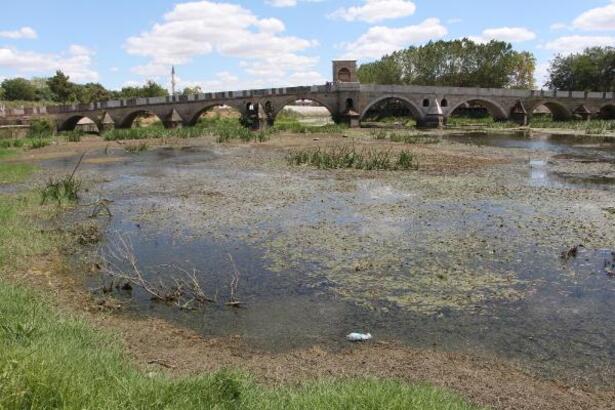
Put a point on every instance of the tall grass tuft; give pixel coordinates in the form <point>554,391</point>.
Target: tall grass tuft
<point>37,143</point>
<point>344,156</point>
<point>61,189</point>
<point>134,148</point>
<point>73,136</point>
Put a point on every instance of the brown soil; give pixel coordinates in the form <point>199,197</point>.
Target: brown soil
<point>156,345</point>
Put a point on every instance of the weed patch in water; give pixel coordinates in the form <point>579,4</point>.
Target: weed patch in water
<point>135,148</point>
<point>406,138</point>
<point>345,156</point>
<point>62,189</point>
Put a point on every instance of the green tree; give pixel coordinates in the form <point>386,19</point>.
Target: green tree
<point>150,89</point>
<point>591,70</point>
<point>460,63</point>
<point>92,92</point>
<point>43,92</point>
<point>192,90</point>
<point>524,67</point>
<point>18,89</point>
<point>61,87</point>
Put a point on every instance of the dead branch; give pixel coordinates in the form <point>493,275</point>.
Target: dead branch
<point>234,285</point>
<point>120,264</point>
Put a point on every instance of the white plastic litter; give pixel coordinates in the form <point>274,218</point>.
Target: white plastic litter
<point>359,337</point>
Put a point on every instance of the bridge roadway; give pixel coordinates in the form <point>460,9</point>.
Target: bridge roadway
<point>347,101</point>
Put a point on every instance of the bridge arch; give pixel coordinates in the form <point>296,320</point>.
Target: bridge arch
<point>70,123</point>
<point>414,109</point>
<point>194,119</point>
<point>559,111</point>
<point>607,112</point>
<point>128,120</point>
<point>276,108</point>
<point>495,109</point>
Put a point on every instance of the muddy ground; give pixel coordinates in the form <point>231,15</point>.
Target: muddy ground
<point>456,267</point>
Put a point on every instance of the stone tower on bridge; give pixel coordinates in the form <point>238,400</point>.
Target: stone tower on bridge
<point>345,71</point>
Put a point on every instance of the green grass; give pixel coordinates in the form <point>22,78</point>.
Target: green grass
<point>11,173</point>
<point>346,156</point>
<point>404,137</point>
<point>48,360</point>
<point>37,143</point>
<point>488,122</point>
<point>136,148</point>
<point>588,127</point>
<point>73,136</point>
<point>294,126</point>
<point>65,189</point>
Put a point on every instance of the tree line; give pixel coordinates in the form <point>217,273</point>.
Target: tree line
<point>59,89</point>
<point>456,63</point>
<point>465,63</point>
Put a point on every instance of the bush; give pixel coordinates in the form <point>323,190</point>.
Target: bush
<point>41,128</point>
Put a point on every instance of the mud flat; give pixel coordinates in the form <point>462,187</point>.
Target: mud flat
<point>457,268</point>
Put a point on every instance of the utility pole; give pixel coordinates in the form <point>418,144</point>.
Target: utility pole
<point>173,83</point>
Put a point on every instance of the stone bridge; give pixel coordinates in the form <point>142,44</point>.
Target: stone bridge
<point>345,98</point>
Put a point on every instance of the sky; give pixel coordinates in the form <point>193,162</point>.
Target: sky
<point>233,45</point>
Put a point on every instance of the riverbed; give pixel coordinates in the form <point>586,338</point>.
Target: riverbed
<point>471,253</point>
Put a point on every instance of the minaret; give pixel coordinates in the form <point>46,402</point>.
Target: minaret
<point>173,83</point>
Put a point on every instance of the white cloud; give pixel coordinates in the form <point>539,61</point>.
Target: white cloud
<point>558,26</point>
<point>24,32</point>
<point>76,62</point>
<point>508,34</point>
<point>204,27</point>
<point>597,19</point>
<point>379,40</point>
<point>373,11</point>
<point>289,3</point>
<point>576,44</point>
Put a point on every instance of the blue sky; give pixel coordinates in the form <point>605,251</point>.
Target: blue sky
<point>261,43</point>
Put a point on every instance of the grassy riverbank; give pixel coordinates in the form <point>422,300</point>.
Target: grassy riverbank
<point>51,359</point>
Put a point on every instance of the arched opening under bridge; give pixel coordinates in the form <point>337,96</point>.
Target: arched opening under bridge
<point>608,112</point>
<point>391,111</point>
<point>79,123</point>
<point>214,114</point>
<point>549,111</point>
<point>475,112</point>
<point>299,112</point>
<point>142,119</point>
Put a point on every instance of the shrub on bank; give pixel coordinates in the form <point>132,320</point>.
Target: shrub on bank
<point>41,128</point>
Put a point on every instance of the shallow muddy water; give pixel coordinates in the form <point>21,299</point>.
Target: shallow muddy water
<point>469,263</point>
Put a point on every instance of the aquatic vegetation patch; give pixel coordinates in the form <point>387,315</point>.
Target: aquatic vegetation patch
<point>404,137</point>
<point>136,148</point>
<point>348,156</point>
<point>370,270</point>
